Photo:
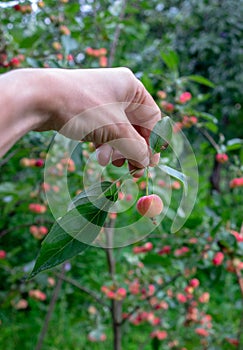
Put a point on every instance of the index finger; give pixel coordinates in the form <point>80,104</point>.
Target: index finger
<point>143,113</point>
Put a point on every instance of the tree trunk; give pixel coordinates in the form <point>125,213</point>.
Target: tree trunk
<point>116,323</point>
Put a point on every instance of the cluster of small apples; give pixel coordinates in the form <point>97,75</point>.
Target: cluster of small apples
<point>37,208</point>
<point>98,53</point>
<point>60,57</point>
<point>189,290</point>
<point>165,250</point>
<point>38,231</point>
<point>24,9</point>
<point>170,107</point>
<point>234,265</point>
<point>147,247</point>
<point>181,251</point>
<point>64,30</point>
<point>159,334</point>
<point>193,314</point>
<point>187,122</point>
<point>221,158</point>
<point>46,187</point>
<point>59,168</point>
<point>114,293</point>
<point>142,290</point>
<point>37,294</point>
<point>32,162</point>
<point>13,62</point>
<point>140,317</point>
<point>175,185</point>
<point>94,336</point>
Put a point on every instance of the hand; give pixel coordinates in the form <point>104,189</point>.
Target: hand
<point>109,107</point>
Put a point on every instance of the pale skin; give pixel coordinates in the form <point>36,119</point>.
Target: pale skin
<point>109,107</point>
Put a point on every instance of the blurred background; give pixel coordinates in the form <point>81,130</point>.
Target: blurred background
<point>170,291</point>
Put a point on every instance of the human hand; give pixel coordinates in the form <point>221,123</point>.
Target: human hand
<point>109,107</point>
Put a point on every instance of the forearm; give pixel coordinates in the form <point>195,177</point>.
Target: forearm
<point>16,109</point>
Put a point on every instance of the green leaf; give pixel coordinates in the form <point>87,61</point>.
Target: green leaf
<point>201,80</point>
<point>207,116</point>
<point>33,62</point>
<point>160,135</point>
<point>211,126</point>
<point>153,259</point>
<point>29,41</point>
<point>226,240</point>
<point>234,144</point>
<point>171,60</point>
<point>148,83</point>
<point>80,224</point>
<point>72,9</point>
<point>106,188</point>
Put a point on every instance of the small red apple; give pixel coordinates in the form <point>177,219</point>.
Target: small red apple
<point>150,206</point>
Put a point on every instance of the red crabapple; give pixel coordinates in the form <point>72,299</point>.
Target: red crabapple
<point>2,254</point>
<point>150,206</point>
<point>194,282</point>
<point>218,258</point>
<point>39,163</point>
<point>221,158</point>
<point>185,97</point>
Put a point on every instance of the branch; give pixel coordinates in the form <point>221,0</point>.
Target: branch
<point>209,138</point>
<point>38,221</point>
<point>117,34</point>
<point>7,230</point>
<point>9,156</point>
<point>83,289</point>
<point>109,232</point>
<point>116,305</point>
<point>50,310</point>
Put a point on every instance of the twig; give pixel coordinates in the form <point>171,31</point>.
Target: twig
<point>50,310</point>
<point>9,156</point>
<point>83,289</point>
<point>209,138</point>
<point>7,230</point>
<point>117,34</point>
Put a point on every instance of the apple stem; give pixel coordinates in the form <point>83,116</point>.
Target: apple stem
<point>147,181</point>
